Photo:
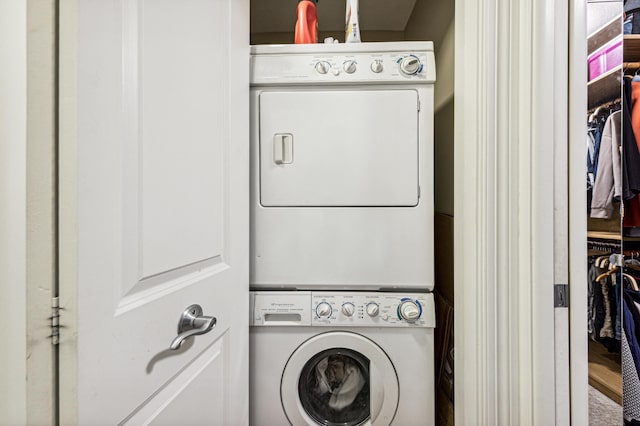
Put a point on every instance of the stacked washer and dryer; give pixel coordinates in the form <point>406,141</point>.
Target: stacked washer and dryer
<point>342,317</point>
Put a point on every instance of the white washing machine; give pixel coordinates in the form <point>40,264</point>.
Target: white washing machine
<point>342,166</point>
<point>341,358</point>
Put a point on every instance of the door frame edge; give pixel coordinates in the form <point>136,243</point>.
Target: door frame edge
<point>67,211</point>
<point>577,221</point>
<point>504,210</point>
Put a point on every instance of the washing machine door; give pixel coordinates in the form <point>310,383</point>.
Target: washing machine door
<point>339,378</point>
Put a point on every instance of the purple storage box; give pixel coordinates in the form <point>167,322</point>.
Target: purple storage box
<point>605,58</point>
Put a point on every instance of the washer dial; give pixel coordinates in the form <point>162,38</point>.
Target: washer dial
<point>409,310</point>
<point>323,310</point>
<point>373,309</point>
<point>348,309</point>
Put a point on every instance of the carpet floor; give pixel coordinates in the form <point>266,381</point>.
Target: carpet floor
<point>602,410</point>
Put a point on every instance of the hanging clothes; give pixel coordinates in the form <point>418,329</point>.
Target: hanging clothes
<point>630,384</point>
<point>607,329</point>
<point>592,274</point>
<point>631,139</point>
<point>631,323</point>
<point>631,24</point>
<point>631,156</point>
<point>618,301</point>
<point>608,183</point>
<point>594,137</point>
<point>604,323</point>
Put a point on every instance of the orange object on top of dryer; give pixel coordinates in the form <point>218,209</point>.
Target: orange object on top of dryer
<point>306,31</point>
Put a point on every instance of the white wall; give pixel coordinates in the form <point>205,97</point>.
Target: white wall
<point>434,20</point>
<point>445,68</point>
<point>287,37</point>
<point>601,12</point>
<point>13,64</point>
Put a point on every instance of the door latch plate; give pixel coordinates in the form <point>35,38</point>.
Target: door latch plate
<point>561,296</point>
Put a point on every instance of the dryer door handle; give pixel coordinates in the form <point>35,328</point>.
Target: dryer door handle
<point>283,148</point>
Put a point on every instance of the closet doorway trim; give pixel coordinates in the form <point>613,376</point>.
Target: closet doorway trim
<point>510,114</point>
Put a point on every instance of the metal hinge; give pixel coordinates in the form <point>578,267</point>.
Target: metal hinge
<point>55,320</point>
<point>561,296</point>
<point>418,104</point>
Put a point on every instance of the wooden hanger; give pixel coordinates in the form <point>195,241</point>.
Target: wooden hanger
<point>632,280</point>
<point>595,113</point>
<point>606,274</point>
<point>632,266</point>
<point>609,106</point>
<point>601,259</point>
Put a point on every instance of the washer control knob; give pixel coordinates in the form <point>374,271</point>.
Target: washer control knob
<point>349,67</point>
<point>373,309</point>
<point>322,67</point>
<point>410,65</point>
<point>323,310</point>
<point>376,66</point>
<point>409,310</point>
<point>348,309</point>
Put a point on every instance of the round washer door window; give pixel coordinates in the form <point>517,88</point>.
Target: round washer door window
<point>339,378</point>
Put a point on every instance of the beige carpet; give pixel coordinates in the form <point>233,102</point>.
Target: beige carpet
<point>602,410</point>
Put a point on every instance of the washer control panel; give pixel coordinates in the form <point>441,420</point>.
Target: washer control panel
<point>371,308</point>
<point>341,309</point>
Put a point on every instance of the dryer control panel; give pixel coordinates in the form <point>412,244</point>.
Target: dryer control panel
<point>341,64</point>
<point>337,309</point>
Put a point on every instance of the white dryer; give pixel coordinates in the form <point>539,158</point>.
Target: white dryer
<point>342,166</point>
<point>341,358</point>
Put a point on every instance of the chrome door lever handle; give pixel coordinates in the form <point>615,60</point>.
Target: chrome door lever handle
<point>192,323</point>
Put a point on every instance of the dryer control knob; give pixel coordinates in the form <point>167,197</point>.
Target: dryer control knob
<point>323,310</point>
<point>348,309</point>
<point>376,66</point>
<point>349,67</point>
<point>373,309</point>
<point>410,65</point>
<point>409,310</point>
<point>323,67</point>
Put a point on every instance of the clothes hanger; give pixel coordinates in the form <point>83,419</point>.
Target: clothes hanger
<point>606,274</point>
<point>609,106</point>
<point>632,280</point>
<point>595,114</point>
<point>599,260</point>
<point>633,266</point>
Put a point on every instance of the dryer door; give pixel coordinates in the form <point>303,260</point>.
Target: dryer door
<point>339,378</point>
<point>339,148</point>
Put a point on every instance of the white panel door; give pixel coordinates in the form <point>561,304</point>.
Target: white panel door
<point>154,212</point>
